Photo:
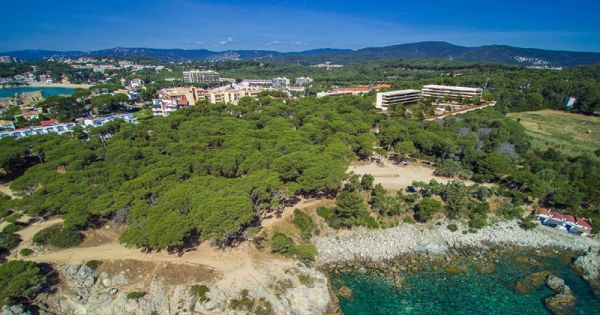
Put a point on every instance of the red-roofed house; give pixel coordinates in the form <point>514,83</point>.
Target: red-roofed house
<point>46,123</point>
<point>542,213</point>
<point>583,225</point>
<point>555,219</point>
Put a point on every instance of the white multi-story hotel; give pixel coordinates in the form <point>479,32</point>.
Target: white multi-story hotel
<point>441,91</point>
<point>280,83</point>
<point>200,76</point>
<point>303,81</point>
<point>402,97</point>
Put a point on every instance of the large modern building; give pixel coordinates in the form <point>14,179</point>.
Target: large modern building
<point>280,83</point>
<point>200,76</point>
<point>455,92</point>
<point>231,96</point>
<point>101,121</point>
<point>401,97</point>
<point>303,81</point>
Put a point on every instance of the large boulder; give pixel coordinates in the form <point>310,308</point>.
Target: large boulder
<point>561,304</point>
<point>531,282</point>
<point>79,276</point>
<point>557,284</point>
<point>589,265</point>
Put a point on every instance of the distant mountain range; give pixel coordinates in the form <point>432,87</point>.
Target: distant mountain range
<point>438,50</point>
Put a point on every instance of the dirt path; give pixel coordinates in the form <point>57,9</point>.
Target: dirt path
<point>5,189</point>
<point>398,177</point>
<point>304,203</point>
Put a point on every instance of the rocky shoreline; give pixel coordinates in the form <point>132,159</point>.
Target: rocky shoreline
<point>385,245</point>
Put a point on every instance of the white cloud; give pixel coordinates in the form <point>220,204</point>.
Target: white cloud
<point>224,42</point>
<point>193,42</point>
<point>286,43</point>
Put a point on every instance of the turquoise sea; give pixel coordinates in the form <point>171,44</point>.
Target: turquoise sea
<point>48,91</point>
<point>435,291</point>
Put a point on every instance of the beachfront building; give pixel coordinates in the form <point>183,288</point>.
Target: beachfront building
<point>280,83</point>
<point>575,225</point>
<point>402,97</point>
<point>7,125</point>
<point>303,81</point>
<point>453,92</point>
<point>200,76</point>
<point>45,127</point>
<point>101,121</point>
<point>255,82</point>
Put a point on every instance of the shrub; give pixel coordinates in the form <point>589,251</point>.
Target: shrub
<point>134,295</point>
<point>26,252</point>
<point>43,236</point>
<point>282,244</point>
<point>306,252</point>
<point>13,217</point>
<point>453,227</point>
<point>368,221</point>
<point>200,291</point>
<point>304,223</point>
<point>58,236</point>
<point>427,208</point>
<point>9,240</point>
<point>366,182</point>
<point>13,227</point>
<point>93,264</point>
<point>20,279</point>
<point>528,223</point>
<point>409,220</point>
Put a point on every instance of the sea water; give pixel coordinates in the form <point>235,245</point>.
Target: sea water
<point>435,291</point>
<point>47,91</point>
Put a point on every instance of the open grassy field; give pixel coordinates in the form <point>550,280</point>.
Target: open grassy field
<point>571,133</point>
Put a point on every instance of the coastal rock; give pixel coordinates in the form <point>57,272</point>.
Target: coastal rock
<point>531,282</point>
<point>557,284</point>
<point>345,292</point>
<point>18,309</point>
<point>527,261</point>
<point>561,304</point>
<point>80,276</point>
<point>589,265</point>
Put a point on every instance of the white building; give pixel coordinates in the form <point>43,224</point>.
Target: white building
<point>59,128</point>
<point>333,93</point>
<point>136,83</point>
<point>101,121</point>
<point>200,76</point>
<point>280,83</point>
<point>442,91</point>
<point>303,81</point>
<point>401,97</point>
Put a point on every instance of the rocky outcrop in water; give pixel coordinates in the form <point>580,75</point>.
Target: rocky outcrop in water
<point>531,282</point>
<point>589,265</point>
<point>563,302</point>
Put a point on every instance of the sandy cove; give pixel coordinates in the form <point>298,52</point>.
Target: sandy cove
<point>381,245</point>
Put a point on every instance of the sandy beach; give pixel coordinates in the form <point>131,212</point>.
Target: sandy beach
<point>60,85</point>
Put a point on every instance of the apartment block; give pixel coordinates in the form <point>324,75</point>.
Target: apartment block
<point>280,83</point>
<point>443,91</point>
<point>401,97</point>
<point>200,76</point>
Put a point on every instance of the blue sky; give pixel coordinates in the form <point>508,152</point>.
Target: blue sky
<point>296,25</point>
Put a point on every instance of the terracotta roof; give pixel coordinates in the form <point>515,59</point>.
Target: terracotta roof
<point>557,215</point>
<point>584,222</point>
<point>570,218</point>
<point>182,101</point>
<point>46,123</point>
<point>543,211</point>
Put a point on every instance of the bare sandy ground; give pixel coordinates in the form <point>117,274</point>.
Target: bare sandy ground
<point>397,177</point>
<point>4,188</point>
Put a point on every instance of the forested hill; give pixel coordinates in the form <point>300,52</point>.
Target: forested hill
<point>439,50</point>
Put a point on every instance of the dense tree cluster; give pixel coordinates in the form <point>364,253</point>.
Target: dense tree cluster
<point>487,147</point>
<point>205,173</point>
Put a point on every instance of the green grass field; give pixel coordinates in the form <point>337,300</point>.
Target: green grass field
<point>571,133</point>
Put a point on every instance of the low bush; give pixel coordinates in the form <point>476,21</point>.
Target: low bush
<point>409,220</point>
<point>13,227</point>
<point>26,252</point>
<point>59,236</point>
<point>200,291</point>
<point>134,295</point>
<point>9,240</point>
<point>93,264</point>
<point>282,244</point>
<point>306,252</point>
<point>453,227</point>
<point>304,223</point>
